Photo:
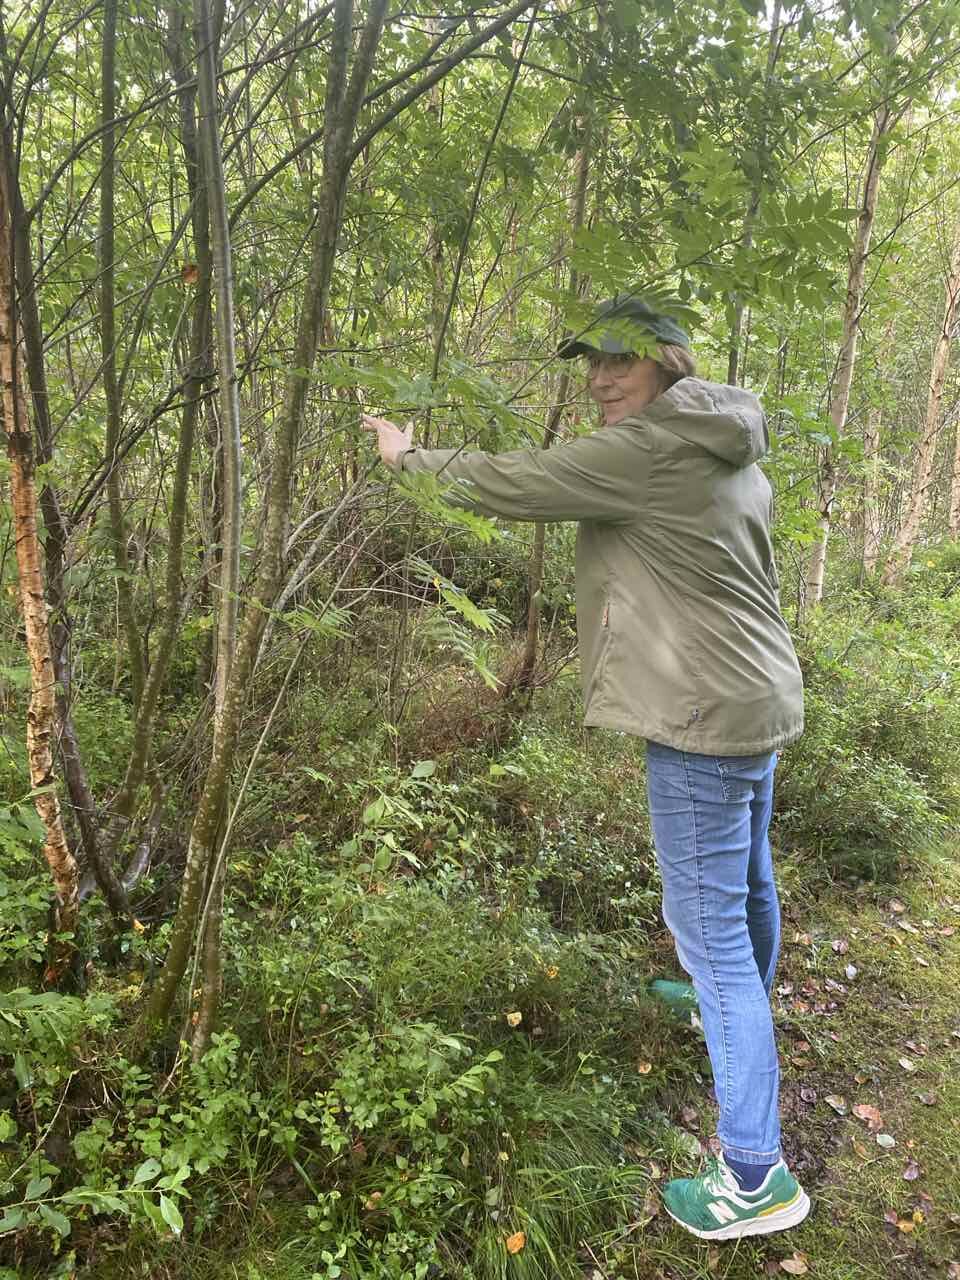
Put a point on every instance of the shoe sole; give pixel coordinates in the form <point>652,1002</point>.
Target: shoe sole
<point>779,1221</point>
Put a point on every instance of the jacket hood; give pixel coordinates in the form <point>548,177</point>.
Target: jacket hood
<point>725,421</point>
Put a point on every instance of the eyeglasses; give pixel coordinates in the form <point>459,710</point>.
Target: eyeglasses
<point>618,366</point>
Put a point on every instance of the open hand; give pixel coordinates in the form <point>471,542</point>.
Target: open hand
<point>391,439</point>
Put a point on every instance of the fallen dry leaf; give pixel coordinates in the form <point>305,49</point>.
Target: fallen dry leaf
<point>912,1172</point>
<point>905,1225</point>
<point>373,1201</point>
<point>840,946</point>
<point>897,907</point>
<point>808,1094</point>
<point>892,1217</point>
<point>864,1111</point>
<point>860,1149</point>
<point>953,1271</point>
<point>516,1242</point>
<point>838,1103</point>
<point>928,1099</point>
<point>713,1260</point>
<point>514,1019</point>
<point>907,1064</point>
<point>651,1204</point>
<point>644,1068</point>
<point>795,1266</point>
<point>886,1140</point>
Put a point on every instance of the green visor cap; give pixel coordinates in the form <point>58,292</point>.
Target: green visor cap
<point>623,314</point>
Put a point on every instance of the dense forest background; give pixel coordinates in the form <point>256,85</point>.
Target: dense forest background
<point>324,927</point>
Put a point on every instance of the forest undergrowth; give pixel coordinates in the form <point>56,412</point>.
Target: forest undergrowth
<point>437,1056</point>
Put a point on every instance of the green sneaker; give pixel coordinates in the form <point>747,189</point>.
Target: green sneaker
<point>713,1206</point>
<point>679,997</point>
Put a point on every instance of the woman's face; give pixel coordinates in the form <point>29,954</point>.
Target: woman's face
<point>622,385</point>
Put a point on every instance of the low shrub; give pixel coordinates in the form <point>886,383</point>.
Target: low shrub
<point>876,776</point>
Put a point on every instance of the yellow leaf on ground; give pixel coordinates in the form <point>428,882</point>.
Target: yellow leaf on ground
<point>516,1242</point>
<point>514,1019</point>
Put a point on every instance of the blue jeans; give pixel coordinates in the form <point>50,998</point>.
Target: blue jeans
<point>710,816</point>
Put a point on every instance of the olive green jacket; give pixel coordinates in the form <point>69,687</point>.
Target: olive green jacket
<point>678,616</point>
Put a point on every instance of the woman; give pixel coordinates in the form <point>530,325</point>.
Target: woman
<point>681,643</point>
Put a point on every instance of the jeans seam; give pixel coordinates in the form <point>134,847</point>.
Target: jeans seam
<point>706,944</point>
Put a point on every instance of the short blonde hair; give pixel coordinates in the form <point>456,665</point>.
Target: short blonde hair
<point>675,362</point>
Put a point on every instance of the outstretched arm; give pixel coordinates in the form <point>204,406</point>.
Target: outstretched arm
<point>598,477</point>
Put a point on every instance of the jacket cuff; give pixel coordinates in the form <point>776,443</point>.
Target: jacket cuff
<point>397,466</point>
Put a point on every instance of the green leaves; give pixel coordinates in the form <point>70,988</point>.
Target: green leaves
<point>171,1214</point>
<point>146,1172</point>
<point>53,1218</point>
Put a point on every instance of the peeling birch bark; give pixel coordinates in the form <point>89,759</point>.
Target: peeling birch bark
<point>41,715</point>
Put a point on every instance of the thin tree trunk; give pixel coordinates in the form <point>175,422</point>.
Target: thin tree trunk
<point>734,367</point>
<point>108,348</point>
<point>872,523</point>
<point>576,286</point>
<point>214,183</point>
<point>883,121</point>
<point>41,719</point>
<point>197,374</point>
<point>916,507</point>
<point>343,100</point>
<point>953,522</point>
<point>55,547</point>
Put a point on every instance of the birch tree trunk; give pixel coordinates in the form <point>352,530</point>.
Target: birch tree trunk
<point>883,122</point>
<point>41,720</point>
<point>916,505</point>
<point>57,535</point>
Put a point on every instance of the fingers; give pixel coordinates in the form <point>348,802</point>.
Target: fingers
<point>371,423</point>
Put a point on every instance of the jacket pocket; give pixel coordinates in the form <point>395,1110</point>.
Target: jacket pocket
<point>600,690</point>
